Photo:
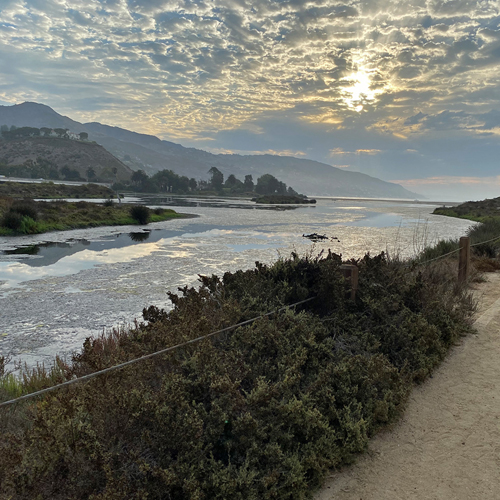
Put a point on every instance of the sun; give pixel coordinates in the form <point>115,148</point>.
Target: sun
<point>360,92</point>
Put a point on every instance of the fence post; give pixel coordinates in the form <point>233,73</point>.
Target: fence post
<point>350,272</point>
<point>464,259</point>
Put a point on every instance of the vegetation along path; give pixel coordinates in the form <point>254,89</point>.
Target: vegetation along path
<point>447,445</point>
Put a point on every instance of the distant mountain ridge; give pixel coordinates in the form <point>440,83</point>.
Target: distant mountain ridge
<point>151,154</point>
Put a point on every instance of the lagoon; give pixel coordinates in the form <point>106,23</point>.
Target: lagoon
<point>58,288</point>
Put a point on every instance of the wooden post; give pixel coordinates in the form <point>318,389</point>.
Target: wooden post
<point>350,272</point>
<point>464,259</point>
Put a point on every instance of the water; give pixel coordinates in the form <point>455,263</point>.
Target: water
<point>59,288</point>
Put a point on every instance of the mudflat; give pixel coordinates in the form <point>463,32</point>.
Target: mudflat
<point>447,445</point>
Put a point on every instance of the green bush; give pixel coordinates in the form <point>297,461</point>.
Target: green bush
<point>28,226</point>
<point>441,248</point>
<point>140,213</point>
<point>483,232</point>
<point>261,412</point>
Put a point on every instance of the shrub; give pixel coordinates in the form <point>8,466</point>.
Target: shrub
<point>26,208</point>
<point>258,413</point>
<point>140,213</point>
<point>441,248</point>
<point>109,202</point>
<point>12,220</point>
<point>483,232</point>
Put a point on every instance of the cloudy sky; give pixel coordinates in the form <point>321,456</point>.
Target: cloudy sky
<point>403,90</point>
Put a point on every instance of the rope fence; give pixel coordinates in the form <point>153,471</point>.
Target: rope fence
<point>147,356</point>
<point>349,271</point>
<point>457,250</point>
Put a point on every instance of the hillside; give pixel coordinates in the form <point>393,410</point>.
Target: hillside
<point>473,210</point>
<point>47,156</point>
<point>51,190</point>
<point>151,154</point>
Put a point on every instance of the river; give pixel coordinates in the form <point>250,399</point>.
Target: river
<point>58,288</point>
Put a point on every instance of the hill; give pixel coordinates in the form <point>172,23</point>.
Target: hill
<point>151,154</point>
<point>48,157</point>
<point>474,210</point>
<point>51,190</point>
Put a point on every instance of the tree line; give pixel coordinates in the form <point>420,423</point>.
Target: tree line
<point>14,132</point>
<point>167,181</point>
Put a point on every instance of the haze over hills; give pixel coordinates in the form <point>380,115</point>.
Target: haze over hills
<point>151,154</point>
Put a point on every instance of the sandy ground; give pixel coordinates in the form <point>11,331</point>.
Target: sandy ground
<point>447,446</point>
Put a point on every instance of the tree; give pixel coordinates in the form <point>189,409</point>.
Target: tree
<point>53,173</point>
<point>20,132</point>
<point>183,183</point>
<point>27,132</point>
<point>45,131</point>
<point>139,178</point>
<point>70,175</point>
<point>230,181</point>
<point>249,185</point>
<point>61,132</point>
<point>268,184</point>
<point>163,180</point>
<point>234,184</point>
<point>90,174</point>
<point>217,179</point>
<point>193,185</point>
<point>83,136</point>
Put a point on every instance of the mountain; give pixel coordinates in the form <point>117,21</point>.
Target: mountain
<point>151,154</point>
<point>32,114</point>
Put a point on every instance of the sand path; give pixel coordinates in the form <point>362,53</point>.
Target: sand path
<point>447,445</point>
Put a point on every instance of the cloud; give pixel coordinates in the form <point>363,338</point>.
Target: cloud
<point>447,180</point>
<point>340,151</point>
<point>368,76</point>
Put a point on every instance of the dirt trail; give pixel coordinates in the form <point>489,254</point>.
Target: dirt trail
<point>447,446</point>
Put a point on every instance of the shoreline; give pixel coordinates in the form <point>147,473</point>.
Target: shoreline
<point>32,217</point>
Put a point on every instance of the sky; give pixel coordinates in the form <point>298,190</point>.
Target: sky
<point>406,91</point>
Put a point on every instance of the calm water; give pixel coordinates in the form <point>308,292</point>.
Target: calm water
<point>59,288</point>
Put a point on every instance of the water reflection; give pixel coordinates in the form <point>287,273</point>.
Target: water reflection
<point>215,203</point>
<point>29,250</point>
<point>139,237</point>
<point>46,254</point>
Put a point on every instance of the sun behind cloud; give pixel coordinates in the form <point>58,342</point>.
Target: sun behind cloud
<point>360,90</point>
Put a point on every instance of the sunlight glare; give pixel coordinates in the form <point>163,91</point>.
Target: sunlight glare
<point>360,92</point>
